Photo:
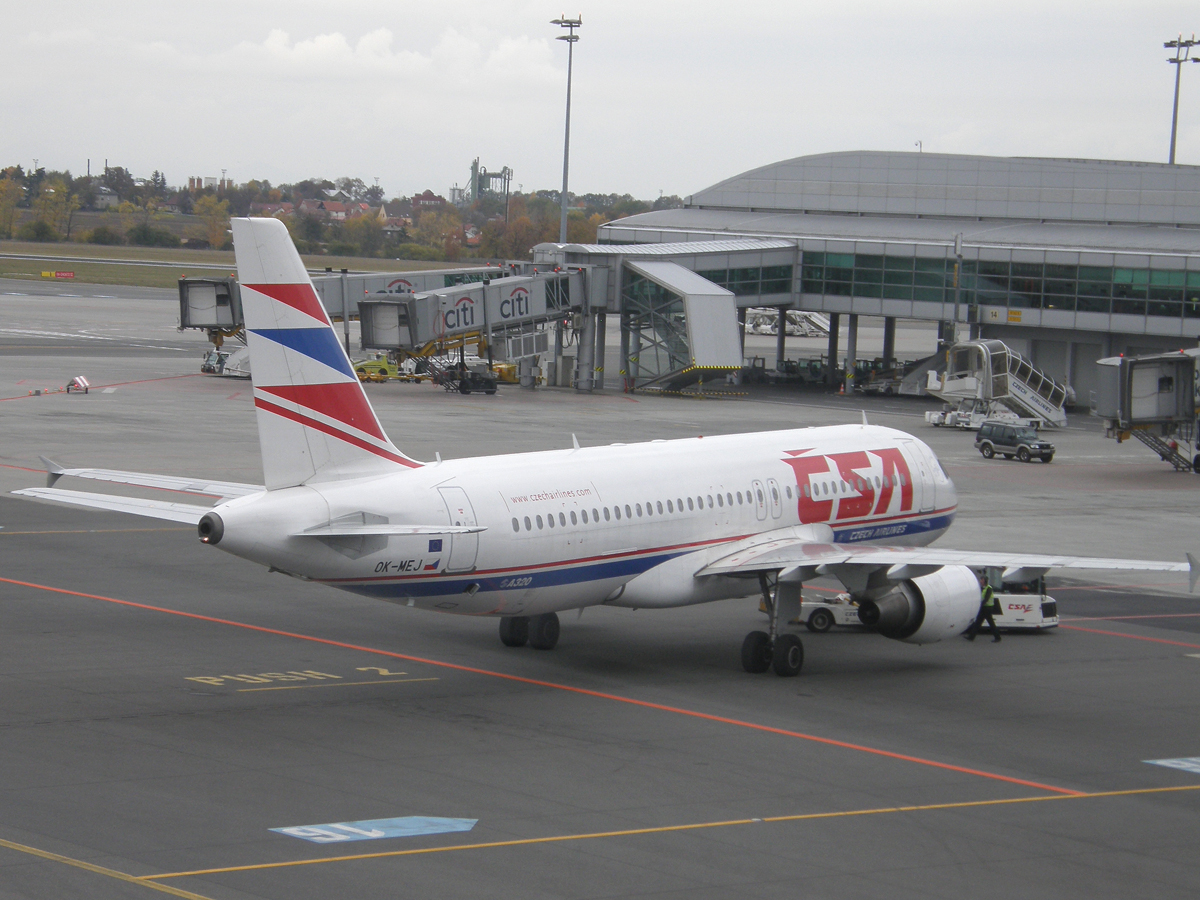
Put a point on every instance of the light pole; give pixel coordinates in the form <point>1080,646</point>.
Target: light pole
<point>1182,50</point>
<point>570,37</point>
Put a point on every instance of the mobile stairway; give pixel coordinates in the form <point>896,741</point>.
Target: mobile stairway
<point>993,372</point>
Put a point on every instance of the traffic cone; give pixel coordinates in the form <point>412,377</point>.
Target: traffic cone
<point>842,389</point>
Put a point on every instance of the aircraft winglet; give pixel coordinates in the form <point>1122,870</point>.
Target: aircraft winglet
<point>53,471</point>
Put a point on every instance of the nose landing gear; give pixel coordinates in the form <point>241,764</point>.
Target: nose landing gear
<point>783,653</point>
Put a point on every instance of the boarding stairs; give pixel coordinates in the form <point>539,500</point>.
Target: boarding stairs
<point>992,371</point>
<point>1164,449</point>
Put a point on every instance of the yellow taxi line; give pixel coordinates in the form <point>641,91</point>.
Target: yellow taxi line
<point>664,829</point>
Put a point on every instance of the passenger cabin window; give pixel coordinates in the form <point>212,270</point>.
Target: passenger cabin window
<point>628,512</point>
<point>739,496</point>
<point>639,510</point>
<point>606,514</point>
<point>562,519</point>
<point>539,521</point>
<point>574,521</point>
<point>660,512</point>
<point>617,512</point>
<point>690,504</point>
<point>516,525</point>
<point>550,520</point>
<point>670,507</point>
<point>710,501</point>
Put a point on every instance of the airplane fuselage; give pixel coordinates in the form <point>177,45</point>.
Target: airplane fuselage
<point>571,528</point>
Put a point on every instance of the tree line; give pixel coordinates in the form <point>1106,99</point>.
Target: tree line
<point>44,205</point>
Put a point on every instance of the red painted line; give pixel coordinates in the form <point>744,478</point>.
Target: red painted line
<point>1123,618</point>
<point>114,384</point>
<point>645,704</point>
<point>22,468</point>
<point>1132,637</point>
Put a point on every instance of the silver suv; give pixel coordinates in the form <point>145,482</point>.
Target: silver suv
<point>1021,441</point>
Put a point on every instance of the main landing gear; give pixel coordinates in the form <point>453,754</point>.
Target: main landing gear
<point>784,653</point>
<point>539,632</point>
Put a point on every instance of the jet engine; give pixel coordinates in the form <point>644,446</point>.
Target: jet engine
<point>927,609</point>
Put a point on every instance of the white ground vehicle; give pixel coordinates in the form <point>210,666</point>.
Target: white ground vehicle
<point>233,362</point>
<point>971,414</point>
<point>1026,607</point>
<point>1023,607</point>
<point>822,613</point>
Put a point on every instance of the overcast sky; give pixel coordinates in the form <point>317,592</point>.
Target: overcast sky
<point>670,96</point>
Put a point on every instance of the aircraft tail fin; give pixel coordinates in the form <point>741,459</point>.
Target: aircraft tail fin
<point>314,421</point>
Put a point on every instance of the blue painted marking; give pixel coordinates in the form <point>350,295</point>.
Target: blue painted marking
<point>320,344</point>
<point>867,532</point>
<point>441,586</point>
<point>1185,764</point>
<point>374,829</point>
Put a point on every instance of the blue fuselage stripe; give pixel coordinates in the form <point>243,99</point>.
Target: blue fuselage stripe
<point>623,568</point>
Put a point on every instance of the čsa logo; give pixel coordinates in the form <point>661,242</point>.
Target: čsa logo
<point>872,477</point>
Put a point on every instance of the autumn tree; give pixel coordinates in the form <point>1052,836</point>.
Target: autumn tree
<point>55,205</point>
<point>366,232</point>
<point>10,195</point>
<point>214,220</point>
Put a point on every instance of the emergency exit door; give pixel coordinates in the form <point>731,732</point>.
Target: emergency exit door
<point>464,548</point>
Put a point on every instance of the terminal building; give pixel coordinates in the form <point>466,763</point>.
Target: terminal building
<point>1067,261</point>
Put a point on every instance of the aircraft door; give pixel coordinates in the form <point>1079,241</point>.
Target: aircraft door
<point>760,499</point>
<point>923,486</point>
<point>463,547</point>
<point>775,498</point>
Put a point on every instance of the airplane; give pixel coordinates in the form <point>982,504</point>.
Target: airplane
<point>523,537</point>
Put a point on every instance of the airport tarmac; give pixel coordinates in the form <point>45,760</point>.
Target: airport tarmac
<point>163,706</point>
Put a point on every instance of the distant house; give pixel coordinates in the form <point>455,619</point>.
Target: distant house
<point>428,200</point>
<point>271,209</point>
<point>337,196</point>
<point>106,197</point>
<point>472,235</point>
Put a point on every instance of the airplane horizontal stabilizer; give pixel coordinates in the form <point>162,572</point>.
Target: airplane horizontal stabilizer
<point>384,528</point>
<point>155,509</point>
<point>225,490</point>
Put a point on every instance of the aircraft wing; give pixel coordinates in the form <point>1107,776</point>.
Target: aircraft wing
<point>224,490</point>
<point>909,562</point>
<point>156,509</point>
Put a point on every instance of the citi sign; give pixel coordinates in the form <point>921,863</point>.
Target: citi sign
<point>399,286</point>
<point>515,304</point>
<point>460,315</point>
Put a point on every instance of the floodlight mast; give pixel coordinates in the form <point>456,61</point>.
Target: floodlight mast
<point>570,37</point>
<point>1182,50</point>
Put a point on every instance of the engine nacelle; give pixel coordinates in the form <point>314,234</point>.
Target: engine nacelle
<point>927,609</point>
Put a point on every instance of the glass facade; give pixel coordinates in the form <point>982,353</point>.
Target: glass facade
<point>1016,285</point>
<point>658,342</point>
<point>752,282</point>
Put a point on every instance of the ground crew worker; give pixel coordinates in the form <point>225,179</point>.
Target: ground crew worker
<point>988,607</point>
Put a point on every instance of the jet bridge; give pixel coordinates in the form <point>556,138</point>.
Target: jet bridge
<point>1153,400</point>
<point>993,372</point>
<point>681,327</point>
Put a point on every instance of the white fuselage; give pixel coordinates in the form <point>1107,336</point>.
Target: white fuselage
<point>624,524</point>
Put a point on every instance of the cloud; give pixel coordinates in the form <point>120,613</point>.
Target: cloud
<point>327,55</point>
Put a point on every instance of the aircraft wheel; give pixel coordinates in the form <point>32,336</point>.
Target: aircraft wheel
<point>543,631</point>
<point>756,652</point>
<point>820,621</point>
<point>788,656</point>
<point>514,631</point>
